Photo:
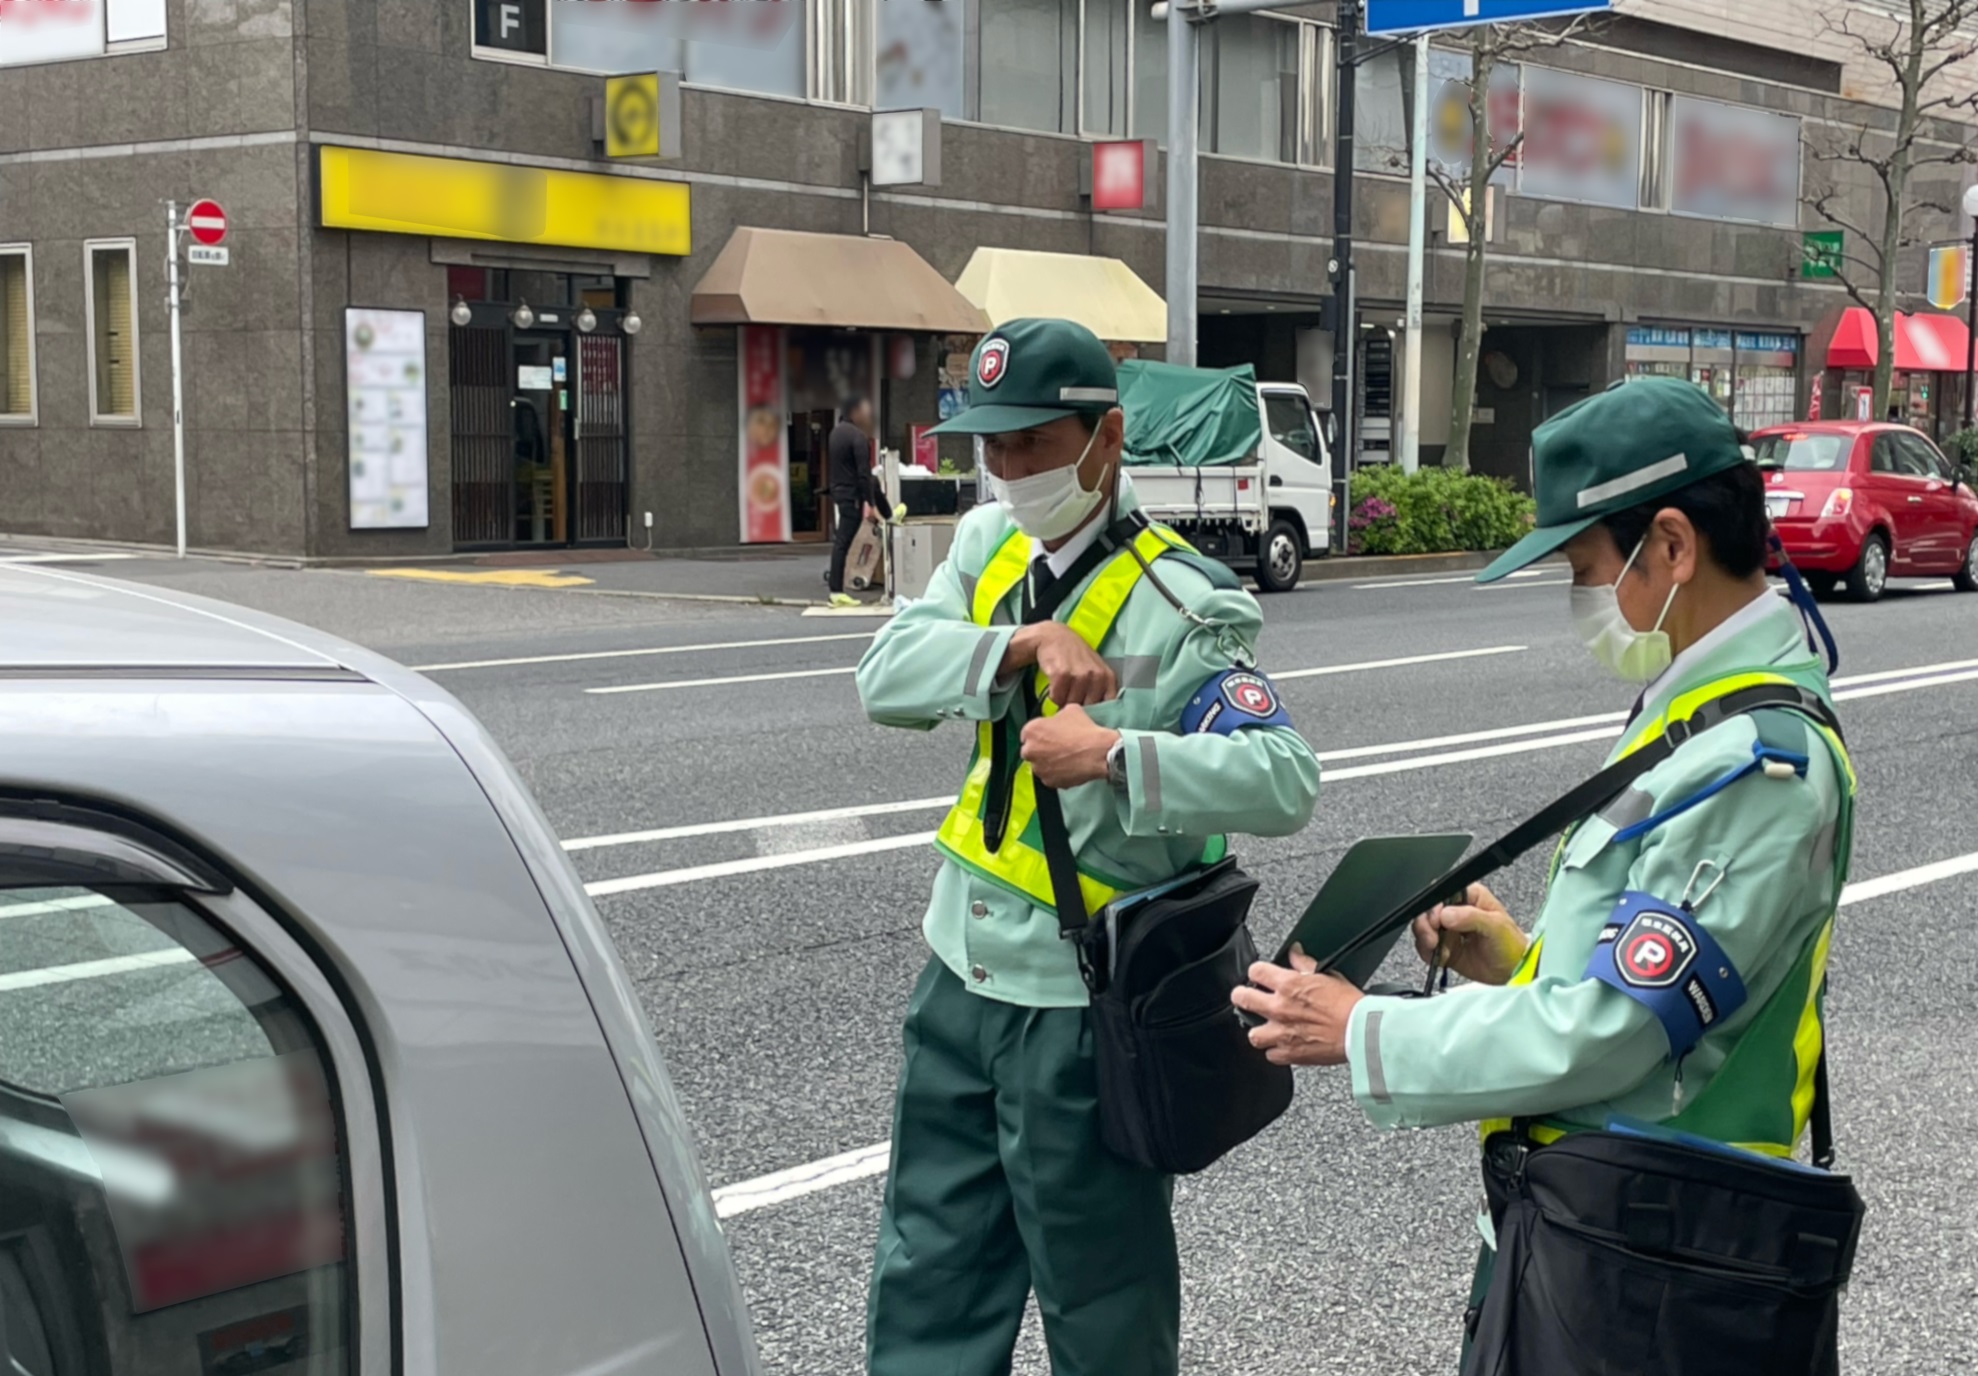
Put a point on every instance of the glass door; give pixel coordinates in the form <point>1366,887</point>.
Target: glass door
<point>598,434</point>
<point>540,448</point>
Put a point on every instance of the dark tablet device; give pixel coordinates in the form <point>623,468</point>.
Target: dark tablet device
<point>1362,890</point>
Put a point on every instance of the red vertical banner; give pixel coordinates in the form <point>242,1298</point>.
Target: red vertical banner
<point>764,443</point>
<point>926,448</point>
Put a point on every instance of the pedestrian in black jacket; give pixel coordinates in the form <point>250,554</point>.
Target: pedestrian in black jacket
<point>849,451</point>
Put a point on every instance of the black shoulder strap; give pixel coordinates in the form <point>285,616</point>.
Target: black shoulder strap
<point>1587,799</point>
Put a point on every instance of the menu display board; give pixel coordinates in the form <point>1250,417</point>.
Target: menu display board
<point>385,376</point>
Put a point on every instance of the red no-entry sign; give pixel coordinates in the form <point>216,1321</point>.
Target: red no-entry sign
<point>207,222</point>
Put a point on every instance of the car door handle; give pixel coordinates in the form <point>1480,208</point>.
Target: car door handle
<point>1916,501</point>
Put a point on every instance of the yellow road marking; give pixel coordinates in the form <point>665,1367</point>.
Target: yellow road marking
<point>497,578</point>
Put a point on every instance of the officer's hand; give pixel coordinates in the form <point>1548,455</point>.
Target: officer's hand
<point>1078,676</point>
<point>1306,1012</point>
<point>1479,939</point>
<point>1068,749</point>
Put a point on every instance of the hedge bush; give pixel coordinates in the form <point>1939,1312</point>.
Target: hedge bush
<point>1434,511</point>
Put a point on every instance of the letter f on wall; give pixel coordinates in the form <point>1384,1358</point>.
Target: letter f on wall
<point>511,19</point>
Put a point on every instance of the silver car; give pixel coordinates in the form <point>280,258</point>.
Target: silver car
<point>314,1057</point>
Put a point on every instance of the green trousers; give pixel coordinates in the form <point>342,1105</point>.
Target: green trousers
<point>999,1186</point>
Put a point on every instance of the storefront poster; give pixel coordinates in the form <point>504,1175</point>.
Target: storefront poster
<point>1730,162</point>
<point>385,375</point>
<point>765,460</point>
<point>926,448</point>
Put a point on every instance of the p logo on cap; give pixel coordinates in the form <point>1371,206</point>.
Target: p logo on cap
<point>993,363</point>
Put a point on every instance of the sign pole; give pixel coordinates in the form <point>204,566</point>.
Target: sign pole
<point>178,368</point>
<point>1418,173</point>
<point>1971,327</point>
<point>1184,116</point>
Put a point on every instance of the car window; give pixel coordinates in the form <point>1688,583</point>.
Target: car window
<point>173,1195</point>
<point>1810,453</point>
<point>1920,457</point>
<point>1290,420</point>
<point>1885,458</point>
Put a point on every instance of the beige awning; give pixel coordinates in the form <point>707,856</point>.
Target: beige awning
<point>1102,294</point>
<point>787,277</point>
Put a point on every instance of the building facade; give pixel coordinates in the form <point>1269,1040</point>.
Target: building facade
<point>449,322</point>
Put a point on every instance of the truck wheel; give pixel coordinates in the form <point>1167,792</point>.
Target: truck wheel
<point>1281,558</point>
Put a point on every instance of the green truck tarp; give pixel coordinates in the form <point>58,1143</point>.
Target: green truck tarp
<point>1195,417</point>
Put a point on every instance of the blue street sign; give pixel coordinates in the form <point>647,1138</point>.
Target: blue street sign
<point>1414,16</point>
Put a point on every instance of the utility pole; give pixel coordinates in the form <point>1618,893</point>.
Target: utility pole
<point>172,231</point>
<point>1345,329</point>
<point>1184,20</point>
<point>1418,165</point>
<point>1184,228</point>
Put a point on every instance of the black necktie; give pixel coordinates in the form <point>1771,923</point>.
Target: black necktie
<point>1042,580</point>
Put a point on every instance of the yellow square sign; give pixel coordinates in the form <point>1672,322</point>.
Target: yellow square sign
<point>632,116</point>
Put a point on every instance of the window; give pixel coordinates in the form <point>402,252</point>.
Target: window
<point>1919,459</point>
<point>1886,458</point>
<point>1107,66</point>
<point>1029,64</point>
<point>16,335</point>
<point>111,283</point>
<point>918,59</point>
<point>1290,420</point>
<point>1251,90</point>
<point>170,1146</point>
<point>54,31</point>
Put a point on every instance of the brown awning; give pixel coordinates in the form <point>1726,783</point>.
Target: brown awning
<point>787,277</point>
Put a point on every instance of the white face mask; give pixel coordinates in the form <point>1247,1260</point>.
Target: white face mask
<point>1632,655</point>
<point>1048,505</point>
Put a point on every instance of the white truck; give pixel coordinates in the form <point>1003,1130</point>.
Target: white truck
<point>1238,467</point>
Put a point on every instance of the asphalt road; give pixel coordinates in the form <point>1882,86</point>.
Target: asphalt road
<point>775,949</point>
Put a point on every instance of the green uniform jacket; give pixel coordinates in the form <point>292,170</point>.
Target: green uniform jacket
<point>1577,1051</point>
<point>933,664</point>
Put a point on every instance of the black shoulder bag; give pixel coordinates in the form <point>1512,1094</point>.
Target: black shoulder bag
<point>1179,1082</point>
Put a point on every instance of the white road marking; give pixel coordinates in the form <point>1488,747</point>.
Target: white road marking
<point>1513,587</point>
<point>1440,582</point>
<point>787,819</point>
<point>717,682</point>
<point>588,655</point>
<point>94,969</point>
<point>1566,731</point>
<point>1863,890</point>
<point>1287,674</point>
<point>1360,752</point>
<point>606,888</point>
<point>1397,663</point>
<point>798,1181</point>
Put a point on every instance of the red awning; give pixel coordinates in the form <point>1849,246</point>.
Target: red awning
<point>1924,343</point>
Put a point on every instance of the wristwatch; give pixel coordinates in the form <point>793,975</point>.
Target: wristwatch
<point>1116,766</point>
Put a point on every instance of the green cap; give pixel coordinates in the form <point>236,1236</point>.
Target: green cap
<point>1031,372</point>
<point>1633,443</point>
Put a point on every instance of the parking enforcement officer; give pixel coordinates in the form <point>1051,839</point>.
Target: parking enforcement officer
<point>1741,837</point>
<point>999,1182</point>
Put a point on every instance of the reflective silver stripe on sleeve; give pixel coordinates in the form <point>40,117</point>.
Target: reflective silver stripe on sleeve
<point>1632,806</point>
<point>1150,774</point>
<point>968,592</point>
<point>977,664</point>
<point>1376,1072</point>
<point>1136,671</point>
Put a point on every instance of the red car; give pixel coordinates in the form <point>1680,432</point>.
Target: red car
<point>1859,503</point>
